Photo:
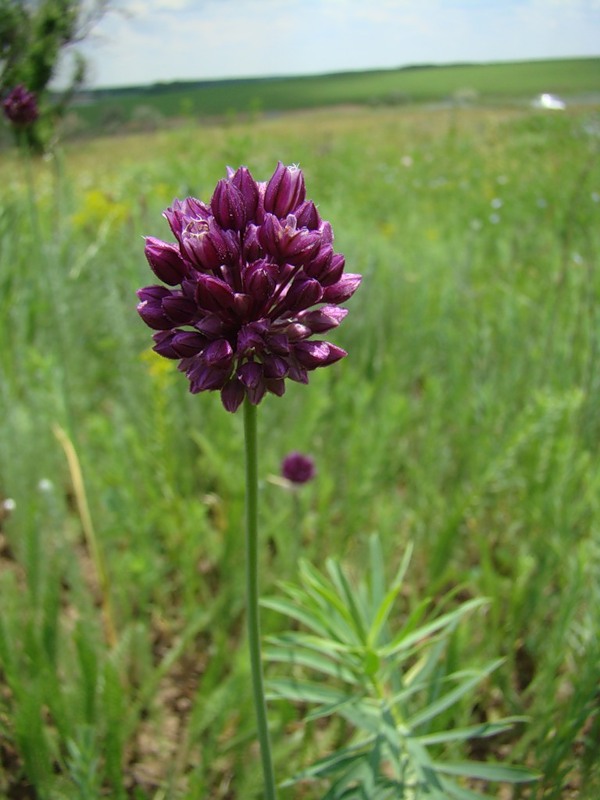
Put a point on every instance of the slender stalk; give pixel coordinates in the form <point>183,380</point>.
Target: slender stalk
<point>89,534</point>
<point>252,597</point>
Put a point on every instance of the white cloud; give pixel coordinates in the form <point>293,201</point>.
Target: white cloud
<point>171,39</point>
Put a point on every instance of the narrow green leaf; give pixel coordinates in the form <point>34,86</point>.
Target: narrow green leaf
<point>453,696</point>
<point>305,691</point>
<point>332,648</point>
<point>337,612</point>
<point>294,656</point>
<point>332,763</point>
<point>456,792</point>
<point>488,771</point>
<point>293,611</point>
<point>382,614</point>
<point>483,731</point>
<point>402,641</point>
<point>377,571</point>
<point>346,592</point>
<point>356,711</point>
<point>423,669</point>
<point>350,786</point>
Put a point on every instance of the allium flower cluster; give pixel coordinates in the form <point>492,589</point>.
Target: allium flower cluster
<point>20,106</point>
<point>251,278</point>
<point>298,468</point>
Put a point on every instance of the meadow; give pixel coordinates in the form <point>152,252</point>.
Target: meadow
<point>465,422</point>
<point>507,83</point>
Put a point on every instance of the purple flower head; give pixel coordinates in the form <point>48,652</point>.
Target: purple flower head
<point>20,106</point>
<point>298,468</point>
<point>251,278</point>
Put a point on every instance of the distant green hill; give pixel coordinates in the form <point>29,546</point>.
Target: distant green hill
<point>497,82</point>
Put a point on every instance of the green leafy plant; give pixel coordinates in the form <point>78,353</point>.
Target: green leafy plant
<point>390,686</point>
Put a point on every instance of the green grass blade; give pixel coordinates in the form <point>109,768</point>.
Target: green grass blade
<point>485,771</point>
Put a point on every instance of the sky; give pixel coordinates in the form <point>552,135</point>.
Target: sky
<point>145,41</point>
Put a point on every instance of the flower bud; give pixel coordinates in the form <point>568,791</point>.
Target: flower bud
<point>164,344</point>
<point>188,343</point>
<point>213,294</point>
<point>308,216</point>
<point>342,290</point>
<point>317,354</point>
<point>323,319</point>
<point>286,241</point>
<point>205,378</point>
<point>303,293</point>
<point>243,180</point>
<point>285,191</point>
<point>150,308</point>
<point>180,309</point>
<point>259,280</point>
<point>232,395</point>
<point>165,261</point>
<point>182,211</point>
<point>207,245</point>
<point>298,468</point>
<point>20,106</point>
<point>228,206</point>
<point>251,376</point>
<point>218,354</point>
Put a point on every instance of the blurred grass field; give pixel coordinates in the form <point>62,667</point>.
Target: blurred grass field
<point>465,420</point>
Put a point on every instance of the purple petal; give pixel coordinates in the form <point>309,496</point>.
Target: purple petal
<point>242,304</point>
<point>213,294</point>
<point>303,293</point>
<point>307,215</point>
<point>232,395</point>
<point>251,337</point>
<point>150,308</point>
<point>211,325</point>
<point>165,261</point>
<point>204,378</point>
<point>317,354</point>
<point>343,289</point>
<point>278,343</point>
<point>251,374</point>
<point>274,367</point>
<point>243,180</point>
<point>208,246</point>
<point>259,280</point>
<point>275,386</point>
<point>228,206</point>
<point>298,374</point>
<point>188,343</point>
<point>294,332</point>
<point>284,191</point>
<point>286,241</point>
<point>218,354</point>
<point>323,319</point>
<point>256,394</point>
<point>164,345</point>
<point>180,309</point>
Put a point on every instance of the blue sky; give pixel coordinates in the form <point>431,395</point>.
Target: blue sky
<point>144,41</point>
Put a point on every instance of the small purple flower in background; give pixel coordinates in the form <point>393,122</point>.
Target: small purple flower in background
<point>298,468</point>
<point>20,106</point>
<point>251,278</point>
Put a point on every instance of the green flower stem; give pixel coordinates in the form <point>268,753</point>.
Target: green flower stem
<point>252,597</point>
